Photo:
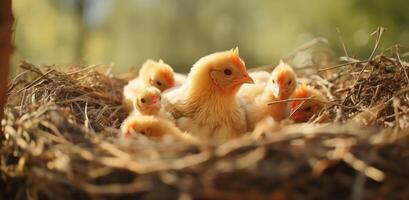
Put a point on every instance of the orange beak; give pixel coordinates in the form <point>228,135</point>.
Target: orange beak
<point>246,79</point>
<point>155,103</point>
<point>154,106</point>
<point>280,88</point>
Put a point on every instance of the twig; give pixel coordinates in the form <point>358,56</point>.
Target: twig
<point>35,82</point>
<point>400,64</point>
<point>294,99</point>
<point>297,108</point>
<point>378,33</point>
<point>375,95</point>
<point>311,98</point>
<point>342,42</point>
<point>83,69</point>
<point>342,65</point>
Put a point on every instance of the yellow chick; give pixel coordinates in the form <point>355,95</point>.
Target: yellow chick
<point>147,101</point>
<point>282,81</point>
<point>280,86</point>
<point>206,105</point>
<point>303,110</point>
<point>155,128</point>
<point>156,74</point>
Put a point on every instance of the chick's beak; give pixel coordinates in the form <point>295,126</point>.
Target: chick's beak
<point>246,79</point>
<point>155,103</point>
<point>280,89</point>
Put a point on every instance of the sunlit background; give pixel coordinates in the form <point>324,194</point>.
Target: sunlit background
<point>125,33</point>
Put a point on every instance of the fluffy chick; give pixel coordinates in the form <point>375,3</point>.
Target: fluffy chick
<point>282,81</point>
<point>303,110</point>
<point>154,127</point>
<point>206,105</point>
<point>280,86</point>
<point>147,101</point>
<point>156,74</point>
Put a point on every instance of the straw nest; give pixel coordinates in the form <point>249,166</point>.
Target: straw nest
<point>61,142</point>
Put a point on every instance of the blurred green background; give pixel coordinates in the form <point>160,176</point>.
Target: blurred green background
<point>126,33</point>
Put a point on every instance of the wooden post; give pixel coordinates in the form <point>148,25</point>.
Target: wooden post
<point>6,49</point>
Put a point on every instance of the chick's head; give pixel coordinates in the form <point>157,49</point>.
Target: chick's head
<point>148,101</point>
<point>227,70</point>
<point>302,111</point>
<point>283,81</point>
<point>158,74</point>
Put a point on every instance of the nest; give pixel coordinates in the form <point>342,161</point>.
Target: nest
<point>61,142</point>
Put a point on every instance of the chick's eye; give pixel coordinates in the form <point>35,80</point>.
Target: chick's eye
<point>227,72</point>
<point>143,133</point>
<point>307,109</point>
<point>143,100</point>
<point>289,82</point>
<point>158,83</point>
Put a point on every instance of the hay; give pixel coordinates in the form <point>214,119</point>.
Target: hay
<point>61,143</point>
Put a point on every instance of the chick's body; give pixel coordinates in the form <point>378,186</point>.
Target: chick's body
<point>206,105</point>
<point>208,116</point>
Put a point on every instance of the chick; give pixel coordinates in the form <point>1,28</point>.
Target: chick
<point>154,127</point>
<point>206,105</point>
<point>303,110</point>
<point>280,86</point>
<point>282,81</point>
<point>157,74</point>
<point>147,101</point>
